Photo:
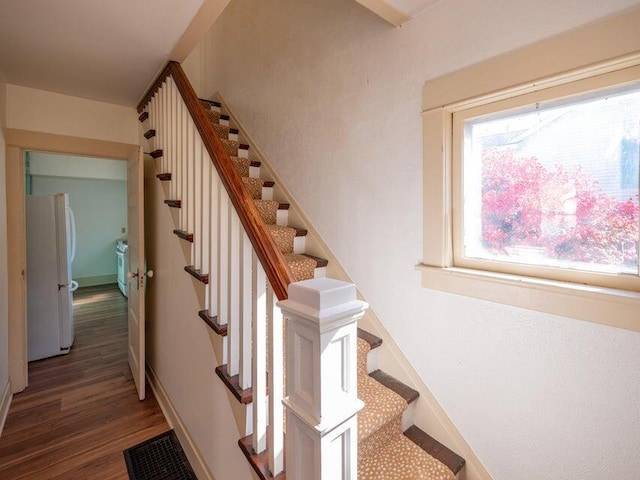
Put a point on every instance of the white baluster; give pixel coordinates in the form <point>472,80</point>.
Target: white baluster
<point>175,180</point>
<point>203,215</point>
<point>259,356</point>
<point>233,280</point>
<point>276,376</point>
<point>192,197</point>
<point>180,161</point>
<point>153,119</point>
<point>223,253</point>
<point>246,253</point>
<point>322,400</point>
<point>196,192</point>
<point>164,167</point>
<point>184,168</point>
<point>215,248</point>
<point>172,132</point>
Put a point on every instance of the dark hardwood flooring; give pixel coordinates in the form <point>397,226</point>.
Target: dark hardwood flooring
<point>80,410</point>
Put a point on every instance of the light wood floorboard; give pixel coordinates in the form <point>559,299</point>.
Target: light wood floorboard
<point>81,410</point>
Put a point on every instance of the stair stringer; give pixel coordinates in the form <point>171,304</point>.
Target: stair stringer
<point>428,414</point>
<point>205,422</point>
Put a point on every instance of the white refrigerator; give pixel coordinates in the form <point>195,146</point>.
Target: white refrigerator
<point>50,251</point>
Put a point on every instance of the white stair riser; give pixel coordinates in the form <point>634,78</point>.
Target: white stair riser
<point>267,193</point>
<point>282,218</point>
<point>299,244</point>
<point>320,272</point>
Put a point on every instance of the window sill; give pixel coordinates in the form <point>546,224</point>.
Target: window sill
<point>606,306</point>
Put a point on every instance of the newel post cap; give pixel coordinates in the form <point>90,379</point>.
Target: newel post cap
<point>322,300</point>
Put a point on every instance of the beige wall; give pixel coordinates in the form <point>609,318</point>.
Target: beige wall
<point>47,112</point>
<point>332,94</point>
<point>180,347</point>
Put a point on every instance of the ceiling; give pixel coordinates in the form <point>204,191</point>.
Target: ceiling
<point>102,50</point>
<point>112,50</point>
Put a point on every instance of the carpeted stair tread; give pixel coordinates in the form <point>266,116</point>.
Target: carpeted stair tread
<point>231,146</point>
<point>254,185</point>
<point>363,348</point>
<point>221,130</point>
<point>283,237</point>
<point>302,266</point>
<point>401,459</point>
<point>381,405</point>
<point>242,165</point>
<point>268,210</point>
<point>215,117</point>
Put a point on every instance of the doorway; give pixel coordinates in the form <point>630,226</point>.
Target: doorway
<point>18,143</point>
<point>84,255</point>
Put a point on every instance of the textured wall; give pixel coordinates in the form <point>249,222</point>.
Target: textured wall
<point>332,95</point>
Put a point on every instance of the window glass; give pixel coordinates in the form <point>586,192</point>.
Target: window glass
<point>555,184</point>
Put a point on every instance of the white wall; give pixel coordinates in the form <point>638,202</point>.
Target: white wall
<point>332,95</point>
<point>4,325</point>
<point>97,191</point>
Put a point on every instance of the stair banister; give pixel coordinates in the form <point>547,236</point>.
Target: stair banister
<point>322,402</point>
<point>245,275</point>
<point>270,257</point>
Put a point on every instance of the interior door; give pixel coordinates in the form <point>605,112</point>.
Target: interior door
<point>136,275</point>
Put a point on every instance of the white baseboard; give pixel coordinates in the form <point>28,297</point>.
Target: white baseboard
<point>5,402</point>
<point>174,421</point>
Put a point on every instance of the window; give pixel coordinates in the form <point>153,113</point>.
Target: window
<point>544,190</point>
<point>531,176</point>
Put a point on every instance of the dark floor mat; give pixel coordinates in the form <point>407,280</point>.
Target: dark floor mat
<point>159,458</point>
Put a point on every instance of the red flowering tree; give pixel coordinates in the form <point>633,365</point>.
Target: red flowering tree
<point>562,212</point>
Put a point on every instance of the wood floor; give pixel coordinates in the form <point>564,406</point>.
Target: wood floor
<point>80,410</point>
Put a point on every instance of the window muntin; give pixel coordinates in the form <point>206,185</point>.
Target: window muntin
<point>546,184</point>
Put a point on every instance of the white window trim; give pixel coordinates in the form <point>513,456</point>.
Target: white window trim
<point>599,48</point>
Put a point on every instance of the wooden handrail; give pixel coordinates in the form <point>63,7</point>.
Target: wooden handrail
<point>268,253</point>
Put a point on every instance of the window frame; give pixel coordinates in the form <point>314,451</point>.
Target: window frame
<point>618,78</point>
<point>567,64</point>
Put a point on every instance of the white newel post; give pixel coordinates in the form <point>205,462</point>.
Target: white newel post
<point>322,402</point>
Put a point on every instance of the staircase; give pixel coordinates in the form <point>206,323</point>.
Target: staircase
<point>245,240</point>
